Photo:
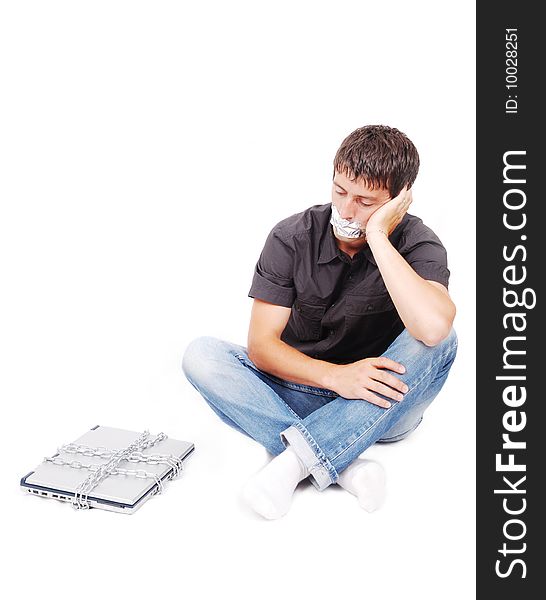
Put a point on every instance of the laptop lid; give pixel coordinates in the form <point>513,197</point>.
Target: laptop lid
<point>133,481</point>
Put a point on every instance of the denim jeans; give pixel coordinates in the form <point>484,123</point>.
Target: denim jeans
<point>326,431</point>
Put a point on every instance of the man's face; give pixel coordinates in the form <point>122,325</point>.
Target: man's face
<point>355,201</point>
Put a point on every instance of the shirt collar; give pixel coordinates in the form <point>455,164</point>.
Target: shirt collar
<point>328,247</point>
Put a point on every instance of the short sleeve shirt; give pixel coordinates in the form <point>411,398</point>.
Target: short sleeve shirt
<point>341,310</point>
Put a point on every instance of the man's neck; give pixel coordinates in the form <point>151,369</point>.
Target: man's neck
<point>351,247</point>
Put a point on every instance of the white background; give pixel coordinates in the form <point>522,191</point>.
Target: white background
<point>147,148</point>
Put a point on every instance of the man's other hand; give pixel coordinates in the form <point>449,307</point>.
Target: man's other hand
<point>359,380</point>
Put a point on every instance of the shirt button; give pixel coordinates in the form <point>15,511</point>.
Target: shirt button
<point>350,277</point>
<point>369,307</point>
<point>332,331</point>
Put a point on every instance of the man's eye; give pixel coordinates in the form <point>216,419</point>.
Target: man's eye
<point>362,203</point>
<point>340,192</point>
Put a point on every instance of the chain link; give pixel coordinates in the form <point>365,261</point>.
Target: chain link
<point>101,452</point>
<point>99,472</point>
<point>76,464</point>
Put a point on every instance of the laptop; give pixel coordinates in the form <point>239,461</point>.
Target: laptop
<point>133,483</point>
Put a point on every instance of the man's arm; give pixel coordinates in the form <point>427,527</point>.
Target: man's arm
<point>358,380</point>
<point>424,306</point>
<point>270,354</point>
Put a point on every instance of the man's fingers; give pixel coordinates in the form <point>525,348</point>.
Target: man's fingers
<point>373,399</point>
<point>402,194</point>
<point>404,199</point>
<point>390,380</point>
<point>386,363</point>
<point>385,390</point>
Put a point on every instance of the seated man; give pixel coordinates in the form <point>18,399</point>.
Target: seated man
<point>350,336</point>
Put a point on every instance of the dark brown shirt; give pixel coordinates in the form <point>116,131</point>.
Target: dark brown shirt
<point>341,310</point>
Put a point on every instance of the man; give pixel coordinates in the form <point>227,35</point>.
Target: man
<point>350,336</point>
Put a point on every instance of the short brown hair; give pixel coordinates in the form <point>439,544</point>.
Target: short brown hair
<point>381,156</point>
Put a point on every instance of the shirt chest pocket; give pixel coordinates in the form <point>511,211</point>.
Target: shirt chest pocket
<point>370,320</point>
<point>306,320</point>
<point>362,306</point>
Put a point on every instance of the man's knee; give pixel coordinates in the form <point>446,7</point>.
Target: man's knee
<point>197,357</point>
<point>408,350</point>
<point>448,346</point>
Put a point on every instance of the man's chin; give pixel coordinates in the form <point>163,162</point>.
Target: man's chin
<point>347,240</point>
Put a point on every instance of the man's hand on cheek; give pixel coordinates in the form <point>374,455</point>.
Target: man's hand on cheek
<point>389,215</point>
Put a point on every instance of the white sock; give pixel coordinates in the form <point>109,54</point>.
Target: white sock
<point>366,480</point>
<point>270,491</point>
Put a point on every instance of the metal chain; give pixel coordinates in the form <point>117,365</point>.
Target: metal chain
<point>76,464</point>
<point>151,459</point>
<point>111,467</point>
<point>105,452</point>
<point>99,472</point>
<point>87,485</point>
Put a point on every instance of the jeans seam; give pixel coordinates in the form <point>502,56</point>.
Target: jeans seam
<point>442,357</point>
<point>322,459</point>
<point>289,384</point>
<point>249,366</point>
<point>302,387</point>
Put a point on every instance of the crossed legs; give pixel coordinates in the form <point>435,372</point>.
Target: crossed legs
<point>312,432</point>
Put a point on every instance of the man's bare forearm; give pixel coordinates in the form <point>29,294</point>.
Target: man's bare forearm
<point>277,358</point>
<point>426,311</point>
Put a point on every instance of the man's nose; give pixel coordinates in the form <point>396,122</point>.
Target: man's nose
<point>346,210</point>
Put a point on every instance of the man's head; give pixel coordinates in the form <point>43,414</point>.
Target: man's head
<point>380,157</point>
<point>372,166</point>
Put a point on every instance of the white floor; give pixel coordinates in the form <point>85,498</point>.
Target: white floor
<point>199,538</point>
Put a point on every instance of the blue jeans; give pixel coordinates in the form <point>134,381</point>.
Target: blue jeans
<point>326,431</point>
